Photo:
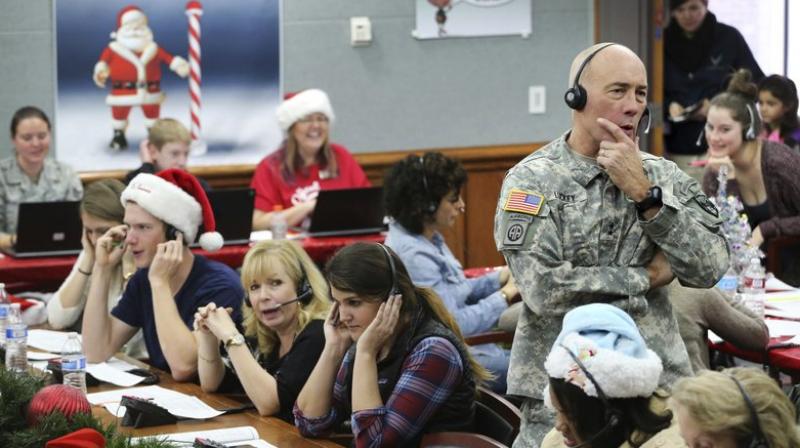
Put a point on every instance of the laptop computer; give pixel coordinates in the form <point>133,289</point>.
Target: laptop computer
<point>233,213</point>
<point>348,211</point>
<point>46,229</point>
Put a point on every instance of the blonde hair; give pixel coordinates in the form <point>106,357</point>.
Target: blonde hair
<point>292,162</point>
<point>168,130</point>
<point>101,200</point>
<point>261,259</point>
<point>714,401</point>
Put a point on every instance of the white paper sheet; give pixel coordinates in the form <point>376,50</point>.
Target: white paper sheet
<point>47,340</point>
<point>779,327</point>
<point>773,284</point>
<point>233,436</point>
<point>108,373</point>
<point>176,403</point>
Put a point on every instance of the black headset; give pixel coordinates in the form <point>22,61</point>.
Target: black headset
<point>613,416</point>
<point>576,96</point>
<point>304,291</point>
<point>395,288</point>
<point>303,294</point>
<point>758,439</point>
<point>171,233</point>
<point>432,206</point>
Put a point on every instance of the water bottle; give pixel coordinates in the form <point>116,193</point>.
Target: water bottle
<point>16,341</point>
<point>73,363</point>
<point>4,305</point>
<point>279,225</point>
<point>755,286</point>
<point>729,283</point>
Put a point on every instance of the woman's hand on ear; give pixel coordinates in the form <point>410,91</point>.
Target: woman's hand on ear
<point>382,327</point>
<point>337,337</point>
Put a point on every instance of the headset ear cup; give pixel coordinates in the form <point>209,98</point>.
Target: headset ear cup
<point>304,292</point>
<point>575,97</point>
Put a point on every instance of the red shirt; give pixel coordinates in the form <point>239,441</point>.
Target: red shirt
<point>272,189</point>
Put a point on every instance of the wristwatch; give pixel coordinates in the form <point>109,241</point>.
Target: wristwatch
<point>653,199</point>
<point>236,339</point>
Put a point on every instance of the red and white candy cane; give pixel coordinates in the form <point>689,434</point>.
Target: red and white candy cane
<point>193,12</point>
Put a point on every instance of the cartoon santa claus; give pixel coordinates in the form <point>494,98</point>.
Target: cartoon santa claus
<point>133,63</point>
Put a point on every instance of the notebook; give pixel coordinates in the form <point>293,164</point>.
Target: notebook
<point>233,213</point>
<point>46,229</point>
<point>348,211</point>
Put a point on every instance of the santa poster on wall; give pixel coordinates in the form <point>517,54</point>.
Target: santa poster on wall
<point>122,66</point>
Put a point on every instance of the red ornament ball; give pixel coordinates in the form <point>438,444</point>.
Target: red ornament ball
<point>57,397</point>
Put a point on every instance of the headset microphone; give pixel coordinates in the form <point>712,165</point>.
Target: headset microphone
<point>302,298</point>
<point>699,141</point>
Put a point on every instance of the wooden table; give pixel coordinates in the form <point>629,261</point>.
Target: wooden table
<point>271,429</point>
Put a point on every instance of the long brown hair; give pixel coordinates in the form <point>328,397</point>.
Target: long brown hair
<point>262,259</point>
<point>363,269</point>
<point>292,162</point>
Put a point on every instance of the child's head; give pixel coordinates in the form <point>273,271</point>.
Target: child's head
<point>168,144</point>
<point>777,101</point>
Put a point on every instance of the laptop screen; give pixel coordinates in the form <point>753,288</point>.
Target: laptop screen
<point>348,211</point>
<point>48,228</point>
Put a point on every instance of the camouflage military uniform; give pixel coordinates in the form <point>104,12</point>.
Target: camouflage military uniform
<point>57,182</point>
<point>575,238</point>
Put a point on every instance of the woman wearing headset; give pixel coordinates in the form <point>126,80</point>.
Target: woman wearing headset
<point>283,337</point>
<point>603,384</point>
<point>408,372</point>
<point>735,408</point>
<point>423,197</point>
<point>765,172</point>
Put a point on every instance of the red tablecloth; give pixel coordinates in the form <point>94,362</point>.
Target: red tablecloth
<point>785,359</point>
<point>47,273</point>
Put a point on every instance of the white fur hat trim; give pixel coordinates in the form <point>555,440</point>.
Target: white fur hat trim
<point>167,202</point>
<point>619,375</point>
<point>303,104</point>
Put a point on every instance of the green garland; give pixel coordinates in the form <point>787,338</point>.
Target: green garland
<point>16,392</point>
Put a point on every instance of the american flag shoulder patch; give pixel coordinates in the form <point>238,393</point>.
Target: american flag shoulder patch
<point>523,201</point>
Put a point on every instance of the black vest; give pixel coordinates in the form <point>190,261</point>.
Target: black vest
<point>458,411</point>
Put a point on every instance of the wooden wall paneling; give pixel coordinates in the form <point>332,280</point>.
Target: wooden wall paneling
<point>470,240</point>
<point>481,195</point>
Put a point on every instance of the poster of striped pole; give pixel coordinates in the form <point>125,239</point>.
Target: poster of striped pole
<point>193,12</point>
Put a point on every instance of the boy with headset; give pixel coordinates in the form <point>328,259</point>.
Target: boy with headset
<point>162,216</point>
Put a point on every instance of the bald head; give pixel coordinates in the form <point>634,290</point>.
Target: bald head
<point>607,51</point>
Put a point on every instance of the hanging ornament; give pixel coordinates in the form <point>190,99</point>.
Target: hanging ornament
<point>441,13</point>
<point>58,397</point>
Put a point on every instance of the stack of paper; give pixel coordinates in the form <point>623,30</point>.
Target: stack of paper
<point>237,436</point>
<point>178,404</point>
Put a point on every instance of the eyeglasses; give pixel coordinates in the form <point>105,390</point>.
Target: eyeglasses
<point>318,119</point>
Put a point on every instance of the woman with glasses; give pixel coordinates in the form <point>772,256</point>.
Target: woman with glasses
<point>288,180</point>
<point>423,197</point>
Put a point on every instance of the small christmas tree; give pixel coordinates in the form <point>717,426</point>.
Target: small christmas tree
<point>735,226</point>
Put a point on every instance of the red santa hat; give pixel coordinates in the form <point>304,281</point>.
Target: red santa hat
<point>82,438</point>
<point>128,14</point>
<point>177,198</point>
<point>298,105</point>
